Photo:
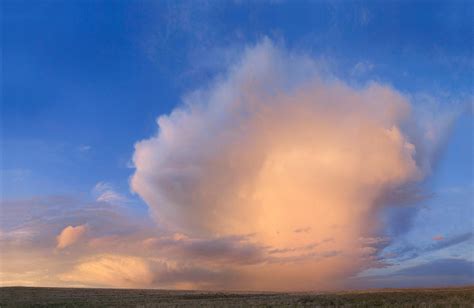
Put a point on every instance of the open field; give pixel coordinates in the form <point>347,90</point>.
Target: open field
<point>71,297</point>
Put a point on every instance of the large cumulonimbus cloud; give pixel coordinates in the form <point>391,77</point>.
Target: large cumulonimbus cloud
<point>297,161</point>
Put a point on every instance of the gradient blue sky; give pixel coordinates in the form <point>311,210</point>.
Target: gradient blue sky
<point>83,81</point>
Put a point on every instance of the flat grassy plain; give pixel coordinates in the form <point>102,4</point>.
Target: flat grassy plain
<point>77,297</point>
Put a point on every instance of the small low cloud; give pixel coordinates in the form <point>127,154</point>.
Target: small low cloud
<point>70,235</point>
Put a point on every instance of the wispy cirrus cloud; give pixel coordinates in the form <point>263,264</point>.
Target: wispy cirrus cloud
<point>105,193</point>
<point>407,252</point>
<point>440,272</point>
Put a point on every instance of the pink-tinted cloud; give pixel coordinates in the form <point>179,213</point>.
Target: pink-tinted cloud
<point>276,147</point>
<point>111,270</point>
<point>274,168</point>
<point>70,235</point>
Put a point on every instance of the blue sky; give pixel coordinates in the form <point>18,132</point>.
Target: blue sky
<point>83,81</point>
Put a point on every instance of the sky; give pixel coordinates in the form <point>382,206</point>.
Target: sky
<point>221,144</point>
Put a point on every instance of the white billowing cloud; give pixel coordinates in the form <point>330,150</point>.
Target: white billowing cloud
<point>274,147</point>
<point>70,235</point>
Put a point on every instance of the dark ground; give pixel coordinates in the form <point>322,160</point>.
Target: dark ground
<point>70,297</point>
